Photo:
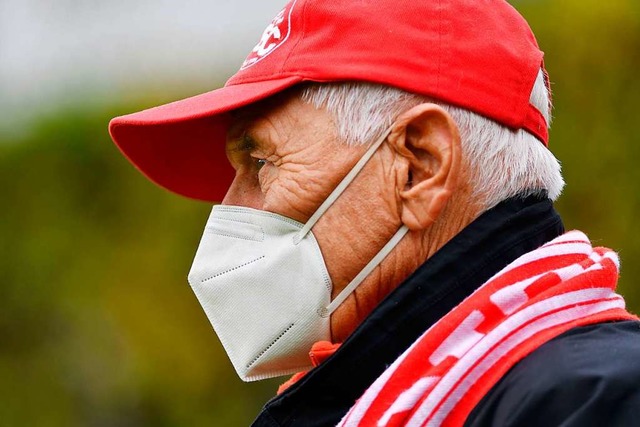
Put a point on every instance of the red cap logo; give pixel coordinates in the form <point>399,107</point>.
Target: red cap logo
<point>274,35</point>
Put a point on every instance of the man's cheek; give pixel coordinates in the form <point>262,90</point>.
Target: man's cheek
<point>267,177</point>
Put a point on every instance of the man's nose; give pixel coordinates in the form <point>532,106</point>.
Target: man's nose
<point>244,191</point>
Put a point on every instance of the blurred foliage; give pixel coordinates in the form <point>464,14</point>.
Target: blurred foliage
<point>99,326</point>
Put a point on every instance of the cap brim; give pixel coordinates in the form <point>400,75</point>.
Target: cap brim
<point>180,146</point>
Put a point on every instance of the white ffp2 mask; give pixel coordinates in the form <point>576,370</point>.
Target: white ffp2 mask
<point>263,284</point>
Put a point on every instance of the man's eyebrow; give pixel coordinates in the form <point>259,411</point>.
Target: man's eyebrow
<point>244,142</point>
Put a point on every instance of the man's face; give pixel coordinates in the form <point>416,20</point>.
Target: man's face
<point>288,158</point>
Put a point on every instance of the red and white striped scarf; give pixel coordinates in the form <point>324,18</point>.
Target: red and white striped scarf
<point>447,371</point>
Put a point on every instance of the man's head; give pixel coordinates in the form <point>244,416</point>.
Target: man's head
<point>433,174</point>
<point>456,88</point>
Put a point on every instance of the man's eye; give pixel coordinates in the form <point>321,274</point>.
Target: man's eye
<point>259,163</point>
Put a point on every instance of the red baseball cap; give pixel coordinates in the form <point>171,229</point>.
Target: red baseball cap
<point>477,54</point>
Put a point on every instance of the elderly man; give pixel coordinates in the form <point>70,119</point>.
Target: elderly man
<point>386,230</point>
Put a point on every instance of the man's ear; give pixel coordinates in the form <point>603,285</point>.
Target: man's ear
<point>428,142</point>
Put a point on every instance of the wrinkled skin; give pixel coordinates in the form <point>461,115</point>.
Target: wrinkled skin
<point>288,158</point>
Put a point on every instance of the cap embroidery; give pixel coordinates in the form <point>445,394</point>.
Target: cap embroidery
<point>276,33</point>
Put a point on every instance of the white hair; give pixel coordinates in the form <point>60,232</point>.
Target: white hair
<point>502,162</point>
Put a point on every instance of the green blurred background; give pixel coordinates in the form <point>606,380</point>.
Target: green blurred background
<point>98,326</point>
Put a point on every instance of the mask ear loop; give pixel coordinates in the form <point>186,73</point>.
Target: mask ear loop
<point>365,272</point>
<point>340,188</point>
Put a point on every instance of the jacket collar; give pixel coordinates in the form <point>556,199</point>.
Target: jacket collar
<point>499,236</point>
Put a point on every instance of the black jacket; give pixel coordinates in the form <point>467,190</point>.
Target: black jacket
<point>589,376</point>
